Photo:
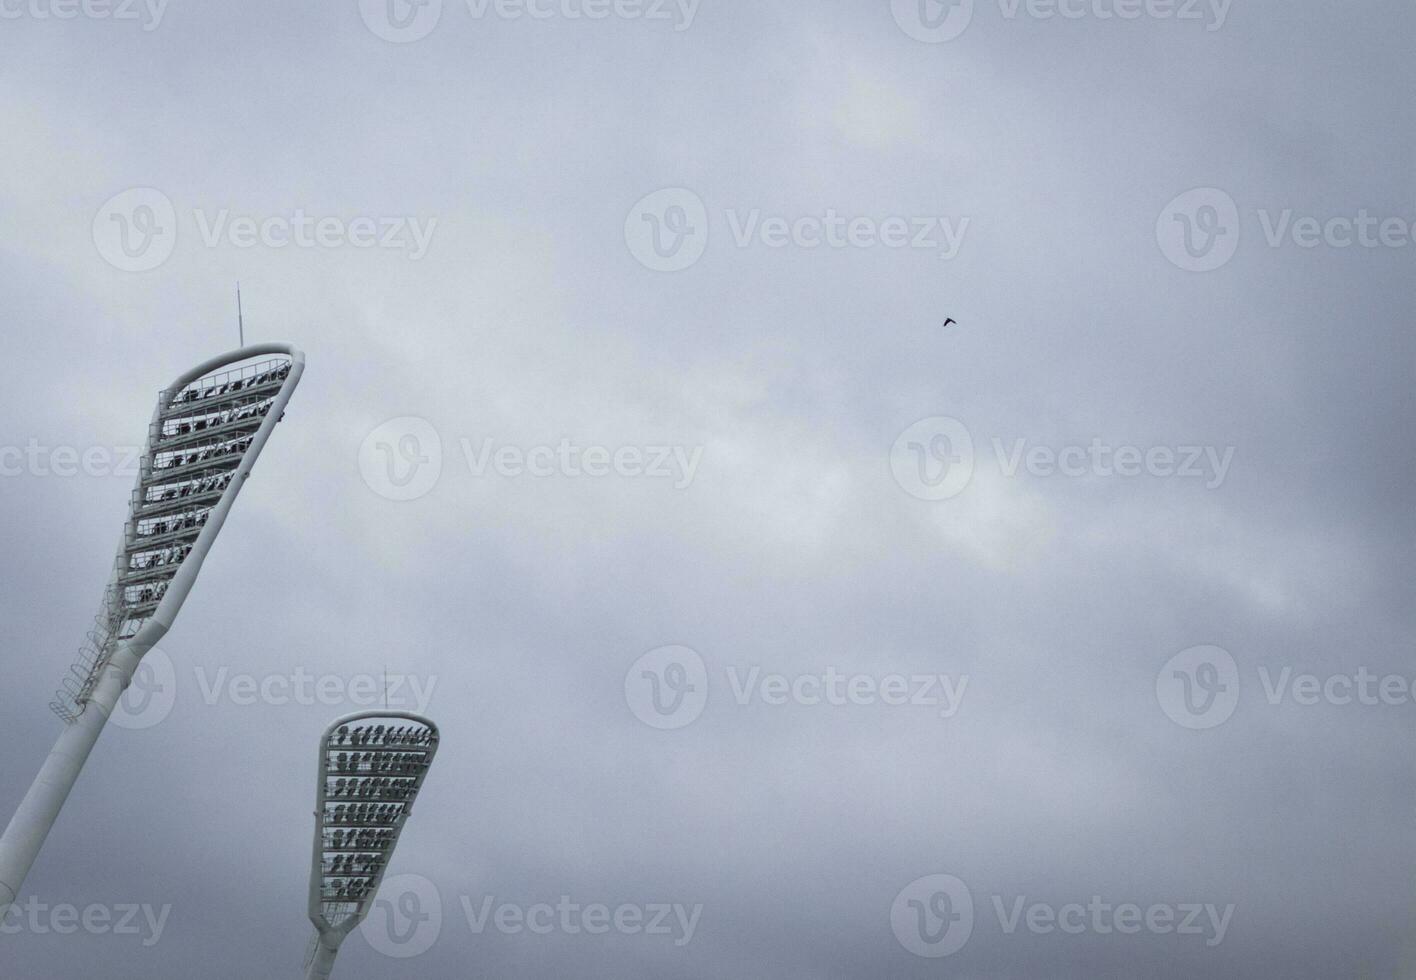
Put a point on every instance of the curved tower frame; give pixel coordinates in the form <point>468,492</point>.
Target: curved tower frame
<point>371,766</point>
<point>207,431</point>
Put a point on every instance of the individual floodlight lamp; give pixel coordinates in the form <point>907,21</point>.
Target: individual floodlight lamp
<point>372,765</point>
<point>206,433</point>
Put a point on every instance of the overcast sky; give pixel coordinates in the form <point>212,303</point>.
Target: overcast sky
<point>627,332</point>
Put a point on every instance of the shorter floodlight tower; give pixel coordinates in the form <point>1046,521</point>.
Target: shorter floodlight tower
<point>371,767</point>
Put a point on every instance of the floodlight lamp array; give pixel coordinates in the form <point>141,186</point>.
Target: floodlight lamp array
<point>371,769</point>
<point>203,439</point>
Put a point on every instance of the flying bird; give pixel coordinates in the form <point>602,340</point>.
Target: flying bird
<point>949,321</point>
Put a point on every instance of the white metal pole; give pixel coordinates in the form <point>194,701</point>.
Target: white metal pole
<point>321,959</point>
<point>40,808</point>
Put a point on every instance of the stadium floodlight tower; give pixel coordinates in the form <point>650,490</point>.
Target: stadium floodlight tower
<point>206,433</point>
<point>372,765</point>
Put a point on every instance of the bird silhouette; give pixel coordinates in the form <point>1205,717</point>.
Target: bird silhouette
<point>949,321</point>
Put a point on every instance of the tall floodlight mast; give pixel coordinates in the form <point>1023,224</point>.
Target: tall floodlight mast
<point>206,433</point>
<point>372,765</point>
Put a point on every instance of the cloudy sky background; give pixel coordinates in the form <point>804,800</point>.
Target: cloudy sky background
<point>526,600</point>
